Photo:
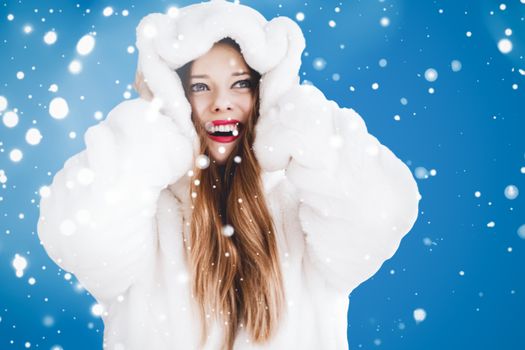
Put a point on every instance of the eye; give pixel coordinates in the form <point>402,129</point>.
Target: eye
<point>198,87</point>
<point>243,83</point>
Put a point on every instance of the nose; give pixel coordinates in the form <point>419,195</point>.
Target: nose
<point>221,102</point>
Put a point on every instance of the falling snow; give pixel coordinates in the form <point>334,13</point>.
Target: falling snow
<point>227,230</point>
<point>511,192</point>
<point>58,108</point>
<point>319,63</point>
<point>33,136</point>
<point>456,65</point>
<point>20,264</point>
<point>85,45</point>
<point>459,135</point>
<point>108,11</point>
<point>50,38</point>
<point>3,103</point>
<point>16,155</point>
<point>419,315</point>
<point>202,161</point>
<point>431,75</point>
<point>75,67</point>
<point>10,119</point>
<point>505,45</point>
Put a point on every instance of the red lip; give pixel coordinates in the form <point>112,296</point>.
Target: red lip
<point>224,122</point>
<point>223,139</point>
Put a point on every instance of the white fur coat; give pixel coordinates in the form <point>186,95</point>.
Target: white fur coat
<point>118,211</point>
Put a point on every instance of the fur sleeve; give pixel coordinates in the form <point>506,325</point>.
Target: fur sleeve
<point>357,200</point>
<point>99,220</point>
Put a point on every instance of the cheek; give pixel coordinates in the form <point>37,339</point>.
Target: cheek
<point>246,104</point>
<point>198,106</point>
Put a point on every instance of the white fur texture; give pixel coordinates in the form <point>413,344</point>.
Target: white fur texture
<point>118,212</point>
<point>165,43</point>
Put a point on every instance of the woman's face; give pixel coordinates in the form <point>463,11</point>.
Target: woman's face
<point>221,98</point>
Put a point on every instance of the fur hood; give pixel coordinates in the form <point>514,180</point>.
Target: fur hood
<point>168,41</point>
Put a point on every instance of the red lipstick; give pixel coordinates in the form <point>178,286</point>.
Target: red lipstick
<point>228,134</point>
<point>225,121</point>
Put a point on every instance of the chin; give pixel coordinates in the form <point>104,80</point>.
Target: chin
<point>219,161</point>
<point>220,158</point>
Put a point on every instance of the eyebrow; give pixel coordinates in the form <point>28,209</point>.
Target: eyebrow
<point>206,76</point>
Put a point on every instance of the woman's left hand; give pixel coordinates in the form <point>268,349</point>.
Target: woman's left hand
<point>301,127</point>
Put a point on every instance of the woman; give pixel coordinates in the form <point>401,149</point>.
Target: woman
<point>246,283</point>
<point>194,236</point>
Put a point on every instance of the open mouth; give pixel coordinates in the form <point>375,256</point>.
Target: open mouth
<point>224,130</point>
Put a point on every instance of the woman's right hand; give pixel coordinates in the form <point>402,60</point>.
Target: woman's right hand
<point>138,144</point>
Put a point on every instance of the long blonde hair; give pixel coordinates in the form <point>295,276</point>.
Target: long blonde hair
<point>237,279</point>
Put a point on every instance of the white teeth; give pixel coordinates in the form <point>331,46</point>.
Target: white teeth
<point>222,128</point>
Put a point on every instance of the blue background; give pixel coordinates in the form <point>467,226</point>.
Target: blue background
<point>469,135</point>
